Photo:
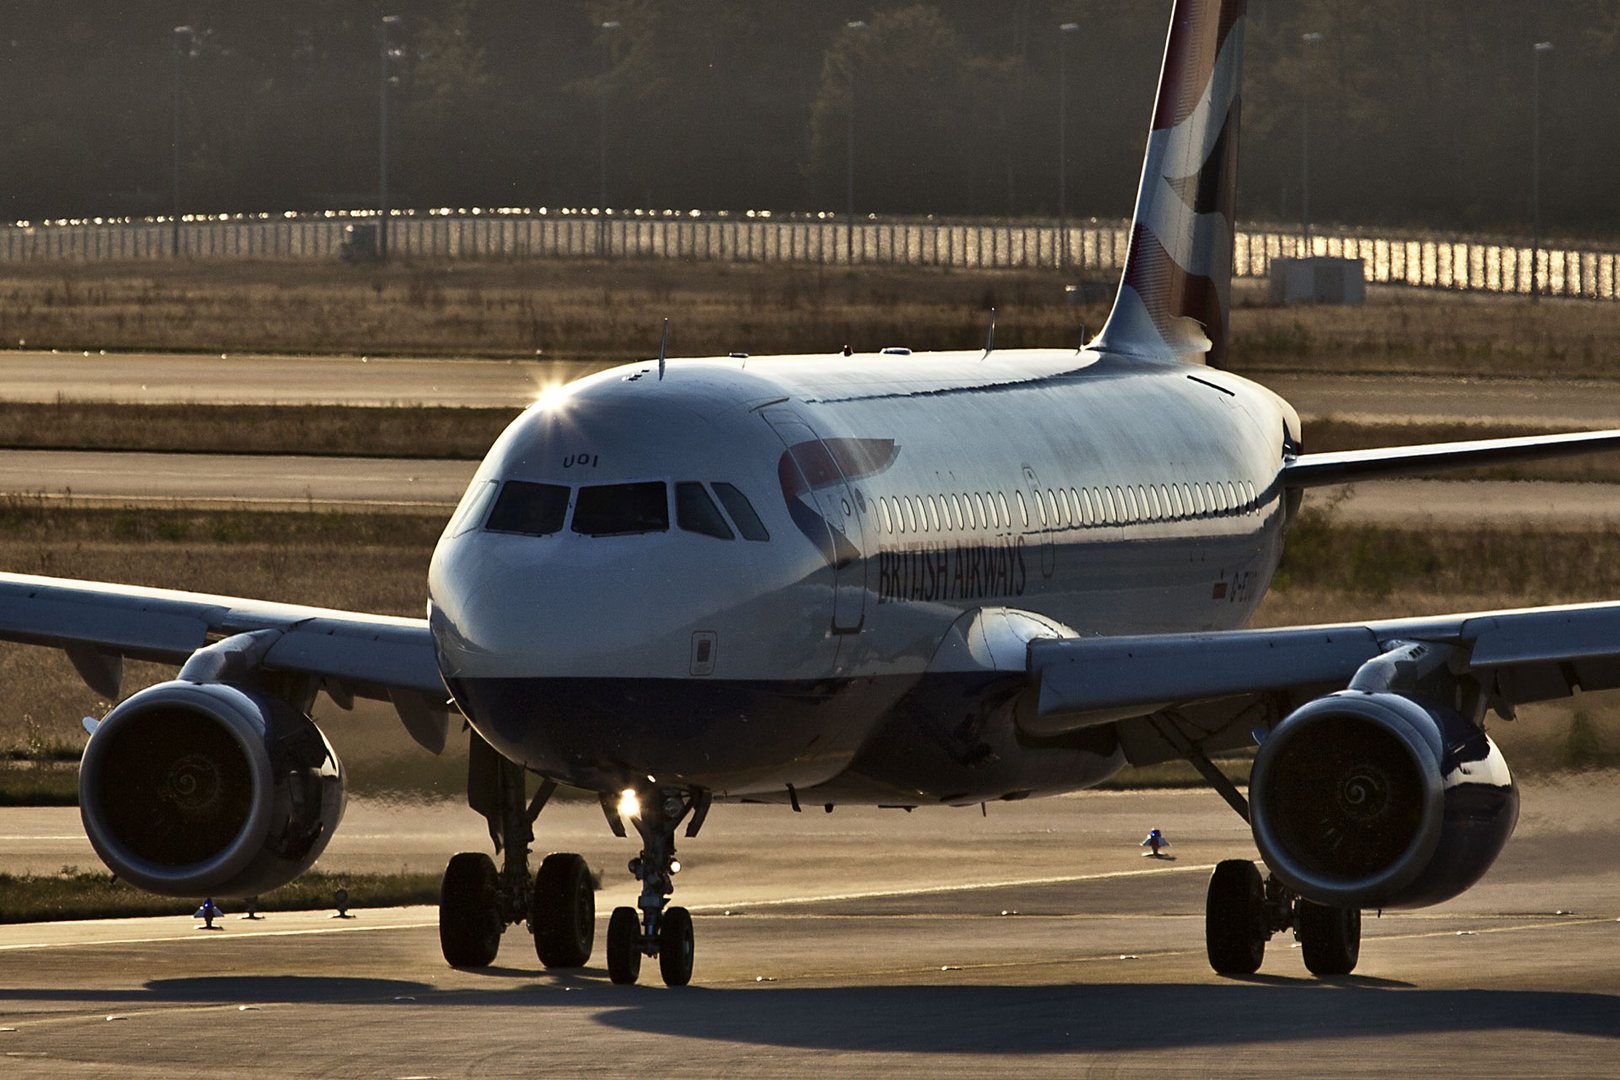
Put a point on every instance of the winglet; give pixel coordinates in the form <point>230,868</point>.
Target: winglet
<point>1176,290</point>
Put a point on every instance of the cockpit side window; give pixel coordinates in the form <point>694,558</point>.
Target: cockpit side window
<point>696,512</point>
<point>622,509</point>
<point>529,509</point>
<point>742,512</point>
<point>469,515</point>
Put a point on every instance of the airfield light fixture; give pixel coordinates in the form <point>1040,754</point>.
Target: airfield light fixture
<point>185,42</point>
<point>1306,41</point>
<point>1536,52</point>
<point>854,26</point>
<point>1064,31</point>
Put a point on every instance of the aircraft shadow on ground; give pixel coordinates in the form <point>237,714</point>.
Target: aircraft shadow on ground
<point>952,1019</point>
<point>1006,1020</point>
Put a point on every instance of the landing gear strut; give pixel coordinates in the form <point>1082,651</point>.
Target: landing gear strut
<point>477,902</point>
<point>1242,912</point>
<point>659,930</point>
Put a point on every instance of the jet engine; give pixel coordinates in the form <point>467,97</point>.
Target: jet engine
<point>206,789</point>
<point>1375,800</point>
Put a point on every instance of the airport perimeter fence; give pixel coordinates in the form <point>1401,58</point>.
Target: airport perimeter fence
<point>1472,264</point>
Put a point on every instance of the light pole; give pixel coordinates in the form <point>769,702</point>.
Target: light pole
<point>607,66</point>
<point>855,25</point>
<point>1306,41</point>
<point>1535,168</point>
<point>185,41</point>
<point>386,28</point>
<point>1063,141</point>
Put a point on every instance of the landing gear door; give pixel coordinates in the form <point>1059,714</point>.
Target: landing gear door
<point>825,508</point>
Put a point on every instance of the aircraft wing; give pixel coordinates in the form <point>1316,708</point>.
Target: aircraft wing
<point>1345,466</point>
<point>350,654</point>
<point>1210,689</point>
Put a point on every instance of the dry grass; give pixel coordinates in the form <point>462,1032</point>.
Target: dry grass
<point>612,310</point>
<point>253,429</point>
<point>573,310</point>
<point>1414,330</point>
<point>75,894</point>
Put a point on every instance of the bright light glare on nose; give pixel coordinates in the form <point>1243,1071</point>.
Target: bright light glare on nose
<point>629,805</point>
<point>549,395</point>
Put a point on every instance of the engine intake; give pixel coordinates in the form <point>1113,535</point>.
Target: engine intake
<point>205,789</point>
<point>1375,800</point>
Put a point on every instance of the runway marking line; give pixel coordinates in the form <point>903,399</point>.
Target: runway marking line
<point>936,890</point>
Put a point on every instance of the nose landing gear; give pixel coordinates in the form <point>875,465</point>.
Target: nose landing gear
<point>659,930</point>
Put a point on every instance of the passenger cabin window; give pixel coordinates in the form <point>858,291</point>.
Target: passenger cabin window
<point>742,512</point>
<point>621,509</point>
<point>696,512</point>
<point>529,509</point>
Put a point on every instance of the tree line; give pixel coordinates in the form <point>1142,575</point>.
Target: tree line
<point>1419,113</point>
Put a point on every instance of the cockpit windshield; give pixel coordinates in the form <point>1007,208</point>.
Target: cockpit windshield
<point>622,509</point>
<point>529,509</point>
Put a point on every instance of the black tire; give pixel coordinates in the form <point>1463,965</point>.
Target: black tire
<point>1330,937</point>
<point>562,913</point>
<point>675,946</point>
<point>624,946</point>
<point>1235,929</point>
<point>470,924</point>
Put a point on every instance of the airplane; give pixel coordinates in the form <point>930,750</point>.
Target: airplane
<point>884,578</point>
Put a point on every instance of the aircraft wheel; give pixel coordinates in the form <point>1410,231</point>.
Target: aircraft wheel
<point>470,924</point>
<point>675,946</point>
<point>1234,918</point>
<point>1330,937</point>
<point>563,911</point>
<point>624,946</point>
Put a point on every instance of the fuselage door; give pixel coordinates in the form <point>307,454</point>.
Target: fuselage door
<point>823,506</point>
<point>1040,518</point>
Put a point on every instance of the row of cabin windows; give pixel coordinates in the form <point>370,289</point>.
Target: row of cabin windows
<point>1059,508</point>
<point>531,509</point>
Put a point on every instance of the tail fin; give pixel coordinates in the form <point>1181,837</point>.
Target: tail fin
<point>1176,291</point>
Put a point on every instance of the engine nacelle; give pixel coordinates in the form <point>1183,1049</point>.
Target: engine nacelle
<point>1373,800</point>
<point>204,789</point>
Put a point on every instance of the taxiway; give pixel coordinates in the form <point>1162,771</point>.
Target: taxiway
<point>1035,940</point>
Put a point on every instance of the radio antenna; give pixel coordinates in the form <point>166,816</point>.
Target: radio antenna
<point>663,349</point>
<point>990,335</point>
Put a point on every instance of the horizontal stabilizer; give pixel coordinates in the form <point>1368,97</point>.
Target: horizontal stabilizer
<point>1346,466</point>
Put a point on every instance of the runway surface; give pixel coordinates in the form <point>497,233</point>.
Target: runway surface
<point>1034,941</point>
<point>280,380</point>
<point>292,482</point>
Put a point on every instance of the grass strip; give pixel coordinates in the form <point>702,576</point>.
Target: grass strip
<point>76,894</point>
<point>321,430</point>
<point>583,309</point>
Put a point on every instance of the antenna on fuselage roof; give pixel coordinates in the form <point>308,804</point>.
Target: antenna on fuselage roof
<point>663,349</point>
<point>990,335</point>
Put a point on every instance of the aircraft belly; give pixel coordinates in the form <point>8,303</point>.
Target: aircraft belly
<point>730,736</point>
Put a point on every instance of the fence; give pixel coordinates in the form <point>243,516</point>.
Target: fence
<point>1468,264</point>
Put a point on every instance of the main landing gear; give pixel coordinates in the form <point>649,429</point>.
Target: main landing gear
<point>477,902</point>
<point>1241,913</point>
<point>659,930</point>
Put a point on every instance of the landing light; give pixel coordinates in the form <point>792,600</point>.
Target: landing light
<point>629,804</point>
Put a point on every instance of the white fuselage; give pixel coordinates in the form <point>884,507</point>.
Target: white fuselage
<point>900,494</point>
